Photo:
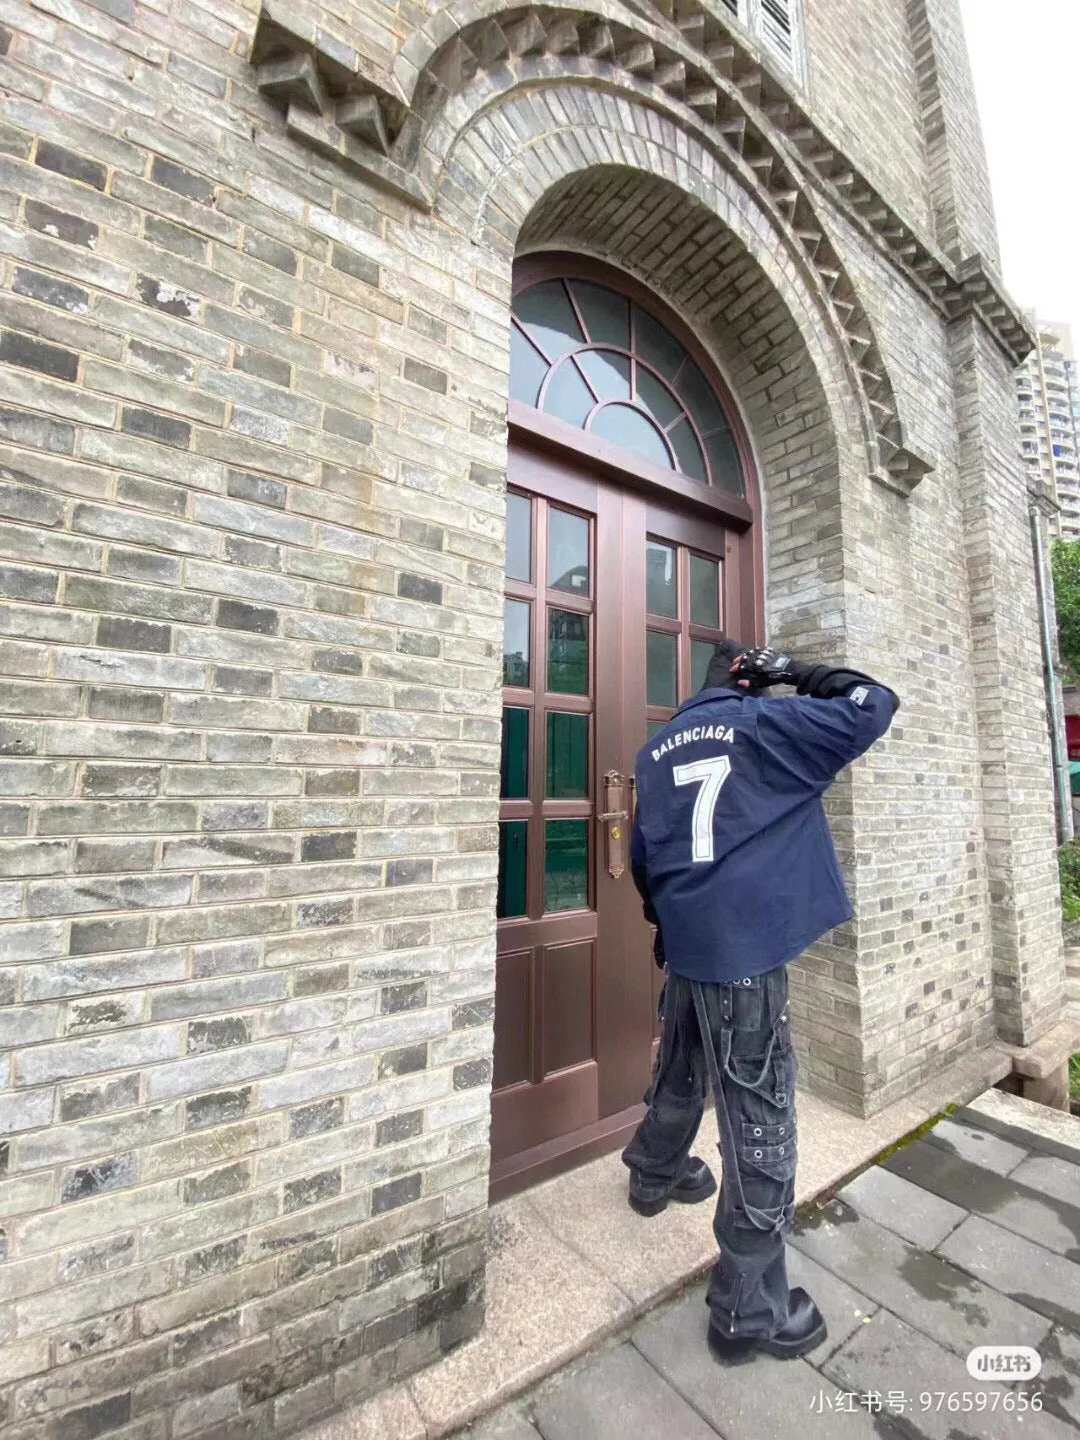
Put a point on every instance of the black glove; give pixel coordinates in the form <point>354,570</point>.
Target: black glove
<point>765,666</point>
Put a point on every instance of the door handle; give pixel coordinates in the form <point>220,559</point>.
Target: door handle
<point>612,817</point>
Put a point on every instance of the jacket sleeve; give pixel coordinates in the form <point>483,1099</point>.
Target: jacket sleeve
<point>641,880</point>
<point>820,734</point>
<point>639,871</point>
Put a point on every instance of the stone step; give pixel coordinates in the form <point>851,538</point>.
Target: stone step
<point>909,1371</point>
<point>1053,1132</point>
<point>759,1401</point>
<point>1038,1278</point>
<point>921,1288</point>
<point>1049,1221</point>
<point>614,1396</point>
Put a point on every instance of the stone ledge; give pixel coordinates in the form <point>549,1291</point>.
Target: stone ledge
<point>1054,1132</point>
<point>1052,1050</point>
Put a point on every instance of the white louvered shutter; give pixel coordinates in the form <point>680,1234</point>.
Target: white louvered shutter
<point>776,21</point>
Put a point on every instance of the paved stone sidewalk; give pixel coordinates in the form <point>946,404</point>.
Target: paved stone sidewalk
<point>969,1236</point>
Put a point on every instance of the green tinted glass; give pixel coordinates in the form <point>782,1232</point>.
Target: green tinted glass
<point>606,315</point>
<point>568,552</point>
<point>515,754</point>
<point>567,756</point>
<point>518,537</point>
<point>701,652</point>
<point>653,728</point>
<point>510,896</point>
<point>704,591</point>
<point>527,368</point>
<point>566,864</point>
<point>568,652</point>
<point>661,590</point>
<point>661,682</point>
<point>516,642</point>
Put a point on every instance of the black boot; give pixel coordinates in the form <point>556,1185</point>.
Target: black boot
<point>696,1184</point>
<point>803,1330</point>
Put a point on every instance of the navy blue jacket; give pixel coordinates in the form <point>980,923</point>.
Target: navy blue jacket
<point>730,848</point>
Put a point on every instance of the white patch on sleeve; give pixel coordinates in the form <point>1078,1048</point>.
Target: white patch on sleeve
<point>859,694</point>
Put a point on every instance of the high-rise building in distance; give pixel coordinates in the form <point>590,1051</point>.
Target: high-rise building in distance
<point>1048,401</point>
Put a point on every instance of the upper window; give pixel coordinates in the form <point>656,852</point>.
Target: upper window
<point>777,25</point>
<point>596,360</point>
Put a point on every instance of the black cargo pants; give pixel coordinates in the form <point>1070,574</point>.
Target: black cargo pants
<point>734,1038</point>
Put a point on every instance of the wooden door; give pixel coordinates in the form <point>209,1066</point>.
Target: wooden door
<point>613,605</point>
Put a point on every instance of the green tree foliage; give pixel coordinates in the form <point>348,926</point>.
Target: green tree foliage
<point>1065,564</point>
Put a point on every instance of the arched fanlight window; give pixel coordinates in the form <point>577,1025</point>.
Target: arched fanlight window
<point>598,361</point>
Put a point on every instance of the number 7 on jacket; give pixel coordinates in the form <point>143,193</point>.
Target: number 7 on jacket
<point>710,775</point>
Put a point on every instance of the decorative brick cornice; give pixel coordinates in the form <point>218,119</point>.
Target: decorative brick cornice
<point>376,122</point>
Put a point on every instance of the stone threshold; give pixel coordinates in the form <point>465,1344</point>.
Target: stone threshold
<point>570,1264</point>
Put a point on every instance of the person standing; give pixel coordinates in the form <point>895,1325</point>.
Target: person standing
<point>732,857</point>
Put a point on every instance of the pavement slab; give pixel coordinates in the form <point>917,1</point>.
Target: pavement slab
<point>979,1147</point>
<point>1045,1219</point>
<point>955,1309</point>
<point>761,1400</point>
<point>1059,1379</point>
<point>617,1396</point>
<point>844,1309</point>
<point>1031,1275</point>
<point>1052,1176</point>
<point>913,1213</point>
<point>909,1371</point>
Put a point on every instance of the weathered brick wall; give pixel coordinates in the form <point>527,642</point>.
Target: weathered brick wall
<point>862,80</point>
<point>250,568</point>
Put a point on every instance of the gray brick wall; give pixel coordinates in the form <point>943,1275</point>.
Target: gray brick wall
<point>252,457</point>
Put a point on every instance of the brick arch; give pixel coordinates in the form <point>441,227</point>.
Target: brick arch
<point>718,258</point>
<point>608,179</point>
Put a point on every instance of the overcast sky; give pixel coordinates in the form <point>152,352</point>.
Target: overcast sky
<point>1024,58</point>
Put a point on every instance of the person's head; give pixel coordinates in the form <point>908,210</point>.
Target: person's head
<point>719,676</point>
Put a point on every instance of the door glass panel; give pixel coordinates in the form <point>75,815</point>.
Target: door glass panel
<point>606,315</point>
<point>566,861</point>
<point>633,431</point>
<point>515,754</point>
<point>724,462</point>
<point>700,400</point>
<point>518,537</point>
<point>704,591</point>
<point>609,373</point>
<point>661,589</point>
<point>657,398</point>
<point>567,756</point>
<point>568,652</point>
<point>568,552</point>
<point>661,686</point>
<point>567,395</point>
<point>516,615</point>
<point>688,451</point>
<point>527,368</point>
<point>510,895</point>
<point>549,318</point>
<point>657,345</point>
<point>701,652</point>
<point>653,728</point>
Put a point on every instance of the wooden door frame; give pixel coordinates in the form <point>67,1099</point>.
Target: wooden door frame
<point>534,431</point>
